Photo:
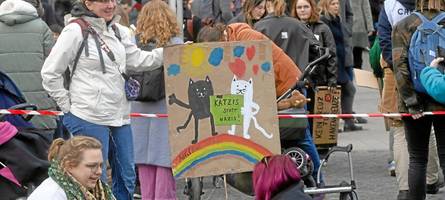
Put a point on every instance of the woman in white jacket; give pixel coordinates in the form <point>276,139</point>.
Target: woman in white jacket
<point>74,172</point>
<point>95,103</point>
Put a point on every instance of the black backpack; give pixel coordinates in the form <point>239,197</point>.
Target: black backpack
<point>152,82</point>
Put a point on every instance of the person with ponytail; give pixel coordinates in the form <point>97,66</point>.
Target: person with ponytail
<point>156,27</point>
<point>75,172</point>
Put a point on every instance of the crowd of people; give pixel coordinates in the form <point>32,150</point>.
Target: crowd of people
<point>75,56</point>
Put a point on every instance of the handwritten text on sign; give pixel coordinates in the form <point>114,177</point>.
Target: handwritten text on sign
<point>226,109</point>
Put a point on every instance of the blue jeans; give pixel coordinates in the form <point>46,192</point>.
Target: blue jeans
<point>308,146</point>
<point>117,145</point>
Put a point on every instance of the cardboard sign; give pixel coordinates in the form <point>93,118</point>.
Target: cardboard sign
<point>325,130</point>
<point>221,107</point>
<point>365,79</point>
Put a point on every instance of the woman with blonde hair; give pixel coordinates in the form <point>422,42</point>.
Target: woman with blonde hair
<point>417,126</point>
<point>330,10</point>
<point>156,27</point>
<point>74,172</point>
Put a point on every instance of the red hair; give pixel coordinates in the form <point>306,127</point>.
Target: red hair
<point>274,174</point>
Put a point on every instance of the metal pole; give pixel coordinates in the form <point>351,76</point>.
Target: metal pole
<point>180,16</point>
<point>172,4</point>
<point>176,6</point>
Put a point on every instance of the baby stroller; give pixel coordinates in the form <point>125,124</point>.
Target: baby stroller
<point>23,149</point>
<point>23,162</point>
<point>303,161</point>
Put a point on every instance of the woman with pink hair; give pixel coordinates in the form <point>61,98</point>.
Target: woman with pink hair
<point>278,178</point>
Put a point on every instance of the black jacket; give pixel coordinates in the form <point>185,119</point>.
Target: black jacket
<point>326,72</point>
<point>290,35</point>
<point>335,25</point>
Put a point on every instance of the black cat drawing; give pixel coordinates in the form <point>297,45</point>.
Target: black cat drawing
<point>199,93</point>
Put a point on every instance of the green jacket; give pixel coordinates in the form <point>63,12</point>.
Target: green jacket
<point>25,43</point>
<point>409,100</point>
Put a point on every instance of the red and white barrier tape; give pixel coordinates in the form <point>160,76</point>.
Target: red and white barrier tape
<point>53,113</point>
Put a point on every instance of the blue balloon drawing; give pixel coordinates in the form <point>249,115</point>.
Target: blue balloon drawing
<point>266,66</point>
<point>238,51</point>
<point>173,70</point>
<point>216,56</point>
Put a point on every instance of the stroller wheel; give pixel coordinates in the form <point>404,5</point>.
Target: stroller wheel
<point>298,156</point>
<point>346,196</point>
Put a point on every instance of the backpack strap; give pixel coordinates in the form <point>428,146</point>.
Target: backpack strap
<point>117,33</point>
<point>439,18</point>
<point>423,18</point>
<point>86,31</point>
<point>99,50</point>
<point>84,45</point>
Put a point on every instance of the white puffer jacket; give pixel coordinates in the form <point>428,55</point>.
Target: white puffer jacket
<point>95,96</point>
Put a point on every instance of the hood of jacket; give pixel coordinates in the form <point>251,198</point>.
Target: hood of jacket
<point>17,12</point>
<point>80,10</point>
<point>408,4</point>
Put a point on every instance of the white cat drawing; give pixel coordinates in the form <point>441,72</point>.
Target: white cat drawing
<point>250,108</point>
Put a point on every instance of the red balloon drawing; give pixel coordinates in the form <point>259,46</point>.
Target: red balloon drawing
<point>255,69</point>
<point>238,67</point>
<point>250,52</point>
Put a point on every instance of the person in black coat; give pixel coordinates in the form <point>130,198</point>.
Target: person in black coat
<point>331,16</point>
<point>306,11</point>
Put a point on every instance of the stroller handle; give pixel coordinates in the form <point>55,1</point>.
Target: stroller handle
<point>302,81</point>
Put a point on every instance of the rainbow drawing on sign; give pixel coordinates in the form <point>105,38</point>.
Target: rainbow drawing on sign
<point>217,146</point>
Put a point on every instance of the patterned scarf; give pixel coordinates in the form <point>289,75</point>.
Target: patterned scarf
<point>74,190</point>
